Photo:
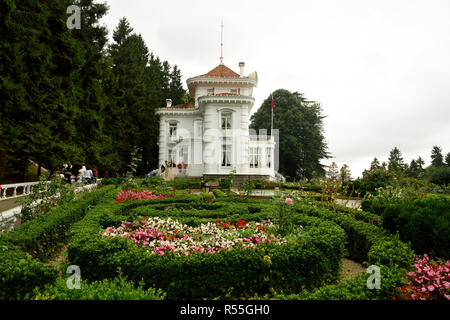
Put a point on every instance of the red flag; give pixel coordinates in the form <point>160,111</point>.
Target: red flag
<point>272,103</point>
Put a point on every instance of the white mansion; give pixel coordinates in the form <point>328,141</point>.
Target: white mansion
<point>211,137</point>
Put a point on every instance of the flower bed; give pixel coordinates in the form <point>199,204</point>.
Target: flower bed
<point>166,235</point>
<point>126,195</point>
<point>312,260</point>
<point>430,280</point>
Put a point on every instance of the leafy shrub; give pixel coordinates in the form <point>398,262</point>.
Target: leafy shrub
<point>42,236</point>
<point>390,252</point>
<point>114,181</point>
<point>425,223</point>
<point>302,186</point>
<point>20,274</point>
<point>247,186</point>
<point>44,194</point>
<point>207,197</point>
<point>180,183</point>
<point>438,175</point>
<point>218,193</point>
<point>362,237</point>
<point>107,289</point>
<point>361,188</point>
<point>353,289</point>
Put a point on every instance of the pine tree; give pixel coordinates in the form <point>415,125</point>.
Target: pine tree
<point>396,164</point>
<point>375,164</point>
<point>345,173</point>
<point>420,163</point>
<point>437,159</point>
<point>447,159</point>
<point>176,89</point>
<point>333,172</point>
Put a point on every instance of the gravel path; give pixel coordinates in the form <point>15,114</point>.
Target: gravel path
<point>350,269</point>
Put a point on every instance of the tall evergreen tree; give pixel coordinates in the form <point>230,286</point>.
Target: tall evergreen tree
<point>420,163</point>
<point>437,159</point>
<point>302,143</point>
<point>176,89</point>
<point>396,164</point>
<point>375,164</point>
<point>345,173</point>
<point>333,172</point>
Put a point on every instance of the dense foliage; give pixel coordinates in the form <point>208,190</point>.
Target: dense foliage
<point>68,95</point>
<point>300,123</point>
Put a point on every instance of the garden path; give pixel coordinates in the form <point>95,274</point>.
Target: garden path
<point>350,269</point>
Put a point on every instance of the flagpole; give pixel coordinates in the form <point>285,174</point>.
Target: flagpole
<point>271,126</point>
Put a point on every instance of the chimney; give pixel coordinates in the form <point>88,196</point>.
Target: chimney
<point>241,66</point>
<point>169,103</point>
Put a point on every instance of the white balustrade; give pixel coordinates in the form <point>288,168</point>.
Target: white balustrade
<point>27,188</point>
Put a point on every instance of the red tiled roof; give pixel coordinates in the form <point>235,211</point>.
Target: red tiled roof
<point>182,106</point>
<point>221,71</point>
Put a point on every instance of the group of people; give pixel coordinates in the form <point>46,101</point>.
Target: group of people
<point>79,174</point>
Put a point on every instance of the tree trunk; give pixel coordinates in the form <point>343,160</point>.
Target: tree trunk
<point>2,165</point>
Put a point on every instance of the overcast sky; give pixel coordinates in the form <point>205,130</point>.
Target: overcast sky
<point>380,69</point>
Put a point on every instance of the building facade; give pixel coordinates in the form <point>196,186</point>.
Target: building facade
<point>211,137</point>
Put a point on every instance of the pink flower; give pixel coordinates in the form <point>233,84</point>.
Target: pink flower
<point>288,201</point>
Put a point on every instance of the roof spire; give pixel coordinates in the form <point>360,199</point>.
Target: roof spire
<point>221,43</point>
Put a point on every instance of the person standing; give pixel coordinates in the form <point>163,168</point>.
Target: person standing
<point>80,176</point>
<point>88,175</point>
<point>95,175</point>
<point>67,174</point>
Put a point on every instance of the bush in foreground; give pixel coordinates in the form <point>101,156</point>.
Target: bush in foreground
<point>115,289</point>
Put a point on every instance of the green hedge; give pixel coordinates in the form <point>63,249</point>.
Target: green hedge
<point>351,212</point>
<point>180,183</point>
<point>107,289</point>
<point>374,205</point>
<point>42,236</point>
<point>311,261</point>
<point>362,187</point>
<point>425,223</point>
<point>365,238</point>
<point>20,274</point>
<point>219,193</point>
<point>304,187</point>
<point>353,289</point>
<point>113,181</point>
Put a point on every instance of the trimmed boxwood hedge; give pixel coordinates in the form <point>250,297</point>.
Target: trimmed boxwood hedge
<point>425,223</point>
<point>107,289</point>
<point>354,213</point>
<point>353,289</point>
<point>365,239</point>
<point>22,249</point>
<point>312,260</point>
<point>42,236</point>
<point>20,273</point>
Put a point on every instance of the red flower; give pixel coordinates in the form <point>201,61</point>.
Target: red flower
<point>179,166</point>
